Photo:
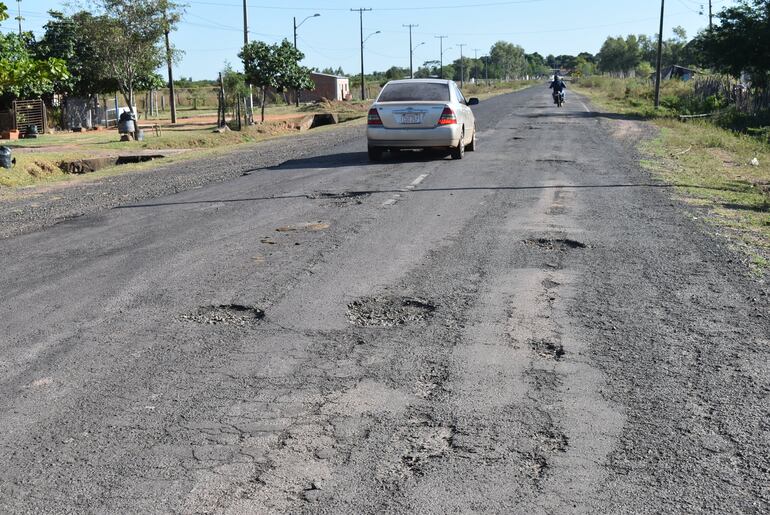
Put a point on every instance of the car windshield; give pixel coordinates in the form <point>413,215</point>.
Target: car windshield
<point>415,91</point>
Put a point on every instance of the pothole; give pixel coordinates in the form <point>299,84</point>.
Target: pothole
<point>310,226</point>
<point>534,466</point>
<point>226,314</point>
<point>549,284</point>
<point>547,349</point>
<point>552,441</point>
<point>424,443</point>
<point>559,244</point>
<point>388,311</point>
<point>341,195</point>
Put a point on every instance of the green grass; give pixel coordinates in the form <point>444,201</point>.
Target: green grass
<point>709,165</point>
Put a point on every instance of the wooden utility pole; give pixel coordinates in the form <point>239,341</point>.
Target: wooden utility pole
<point>172,94</point>
<point>361,26</point>
<point>250,110</point>
<point>660,56</point>
<point>711,17</point>
<point>221,111</point>
<point>462,69</point>
<point>19,17</point>
<point>441,56</point>
<point>411,50</point>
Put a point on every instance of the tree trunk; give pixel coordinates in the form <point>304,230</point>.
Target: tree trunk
<point>264,101</point>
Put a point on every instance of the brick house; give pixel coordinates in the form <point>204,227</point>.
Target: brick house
<point>330,87</point>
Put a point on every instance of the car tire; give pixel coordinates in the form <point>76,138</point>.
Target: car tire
<point>375,154</point>
<point>459,151</point>
<point>471,147</point>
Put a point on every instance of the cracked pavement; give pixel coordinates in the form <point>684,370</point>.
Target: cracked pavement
<point>537,328</point>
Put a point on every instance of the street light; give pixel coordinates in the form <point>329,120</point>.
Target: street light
<point>316,15</point>
<point>296,26</point>
<point>411,52</point>
<point>363,84</point>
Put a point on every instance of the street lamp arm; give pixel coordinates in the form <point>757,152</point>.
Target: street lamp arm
<point>316,15</point>
<point>370,35</point>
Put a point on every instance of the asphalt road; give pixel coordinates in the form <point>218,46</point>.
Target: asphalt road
<point>537,328</point>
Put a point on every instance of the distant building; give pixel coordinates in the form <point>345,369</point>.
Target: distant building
<point>677,72</point>
<point>330,87</point>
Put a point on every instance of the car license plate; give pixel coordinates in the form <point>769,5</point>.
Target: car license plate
<point>410,118</point>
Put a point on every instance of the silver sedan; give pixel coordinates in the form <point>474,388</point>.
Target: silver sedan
<point>421,113</point>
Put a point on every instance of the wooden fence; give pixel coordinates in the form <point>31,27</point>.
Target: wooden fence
<point>734,93</point>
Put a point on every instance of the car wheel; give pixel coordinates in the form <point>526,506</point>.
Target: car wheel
<point>459,151</point>
<point>471,147</point>
<point>375,154</point>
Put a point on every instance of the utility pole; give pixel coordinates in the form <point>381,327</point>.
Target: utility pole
<point>660,56</point>
<point>711,17</point>
<point>19,17</point>
<point>172,94</point>
<point>476,64</point>
<point>441,57</point>
<point>361,26</point>
<point>411,50</point>
<point>250,114</point>
<point>462,69</point>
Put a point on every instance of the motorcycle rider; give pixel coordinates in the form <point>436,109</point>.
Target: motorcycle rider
<point>558,86</point>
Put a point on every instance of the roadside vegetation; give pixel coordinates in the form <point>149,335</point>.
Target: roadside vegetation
<point>719,163</point>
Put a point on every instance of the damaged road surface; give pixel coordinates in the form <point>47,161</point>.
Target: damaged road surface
<point>537,328</point>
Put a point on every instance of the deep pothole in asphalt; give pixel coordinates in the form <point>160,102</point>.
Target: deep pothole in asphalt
<point>558,244</point>
<point>388,311</point>
<point>225,314</point>
<point>547,349</point>
<point>339,195</point>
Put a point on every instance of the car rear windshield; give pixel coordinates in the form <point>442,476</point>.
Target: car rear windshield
<point>415,91</point>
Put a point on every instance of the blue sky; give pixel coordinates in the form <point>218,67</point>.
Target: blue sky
<point>212,30</point>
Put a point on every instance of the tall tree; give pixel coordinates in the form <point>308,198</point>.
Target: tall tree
<point>508,59</point>
<point>127,41</point>
<point>740,42</point>
<point>274,66</point>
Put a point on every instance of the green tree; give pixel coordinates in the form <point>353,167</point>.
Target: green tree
<point>66,38</point>
<point>22,74</point>
<point>126,40</point>
<point>739,43</point>
<point>619,55</point>
<point>274,66</point>
<point>508,60</point>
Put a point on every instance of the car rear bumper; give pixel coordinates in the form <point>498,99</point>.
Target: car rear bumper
<point>439,137</point>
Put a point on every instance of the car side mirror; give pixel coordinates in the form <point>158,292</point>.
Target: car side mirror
<point>473,101</point>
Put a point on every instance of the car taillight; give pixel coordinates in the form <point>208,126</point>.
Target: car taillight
<point>448,117</point>
<point>374,117</point>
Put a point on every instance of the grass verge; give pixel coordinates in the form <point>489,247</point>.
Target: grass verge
<point>710,167</point>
